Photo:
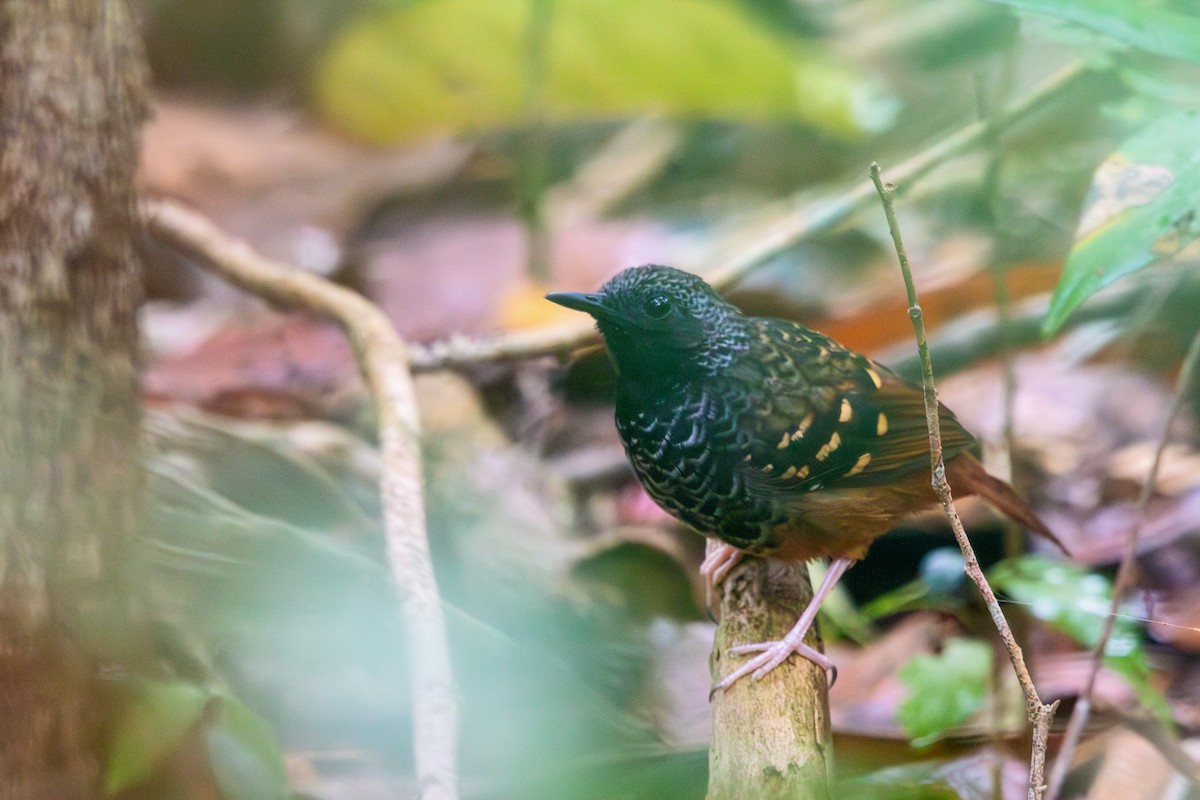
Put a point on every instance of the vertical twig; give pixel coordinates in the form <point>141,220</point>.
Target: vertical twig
<point>383,360</point>
<point>1083,706</point>
<point>1040,714</point>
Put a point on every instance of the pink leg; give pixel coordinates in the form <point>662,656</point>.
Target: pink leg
<point>716,566</point>
<point>772,654</point>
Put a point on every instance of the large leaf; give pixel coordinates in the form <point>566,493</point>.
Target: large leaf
<point>150,727</point>
<point>1068,597</point>
<point>944,690</point>
<point>462,65</point>
<point>1076,602</point>
<point>245,756</point>
<point>1169,29</point>
<point>1141,207</point>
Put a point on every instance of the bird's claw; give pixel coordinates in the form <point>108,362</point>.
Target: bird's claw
<point>715,568</point>
<point>771,655</point>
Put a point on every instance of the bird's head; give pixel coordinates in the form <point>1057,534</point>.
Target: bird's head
<point>660,323</point>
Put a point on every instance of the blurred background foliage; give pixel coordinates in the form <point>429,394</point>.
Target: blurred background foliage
<point>452,159</point>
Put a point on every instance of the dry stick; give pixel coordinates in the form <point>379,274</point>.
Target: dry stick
<point>383,360</point>
<point>774,230</point>
<point>1039,713</point>
<point>1083,706</point>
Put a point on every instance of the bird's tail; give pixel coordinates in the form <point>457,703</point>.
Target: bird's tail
<point>967,476</point>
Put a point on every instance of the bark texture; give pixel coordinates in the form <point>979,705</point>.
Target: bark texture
<point>72,98</point>
<point>771,738</point>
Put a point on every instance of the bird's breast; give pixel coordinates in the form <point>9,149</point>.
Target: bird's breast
<point>686,449</point>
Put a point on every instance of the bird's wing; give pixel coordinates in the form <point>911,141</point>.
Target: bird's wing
<point>837,419</point>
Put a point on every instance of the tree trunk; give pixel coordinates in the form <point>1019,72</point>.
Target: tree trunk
<point>72,97</point>
<point>771,738</point>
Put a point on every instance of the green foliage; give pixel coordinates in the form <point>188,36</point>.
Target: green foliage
<point>1068,597</point>
<point>1141,208</point>
<point>284,595</point>
<point>155,721</point>
<point>245,756</point>
<point>462,65</point>
<point>1076,602</point>
<point>944,690</point>
<point>150,727</point>
<point>1167,28</point>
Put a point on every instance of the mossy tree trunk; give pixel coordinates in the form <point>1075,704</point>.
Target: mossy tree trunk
<point>771,738</point>
<point>72,98</point>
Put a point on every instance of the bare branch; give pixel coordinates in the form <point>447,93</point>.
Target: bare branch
<point>383,359</point>
<point>1039,713</point>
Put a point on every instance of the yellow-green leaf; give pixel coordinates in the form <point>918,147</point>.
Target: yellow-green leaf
<point>148,729</point>
<point>1142,207</point>
<point>452,66</point>
<point>246,760</point>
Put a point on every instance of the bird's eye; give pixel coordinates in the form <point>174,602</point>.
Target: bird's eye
<point>658,306</point>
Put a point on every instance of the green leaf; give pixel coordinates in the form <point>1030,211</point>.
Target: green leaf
<point>1068,597</point>
<point>944,690</point>
<point>1076,602</point>
<point>245,756</point>
<point>148,729</point>
<point>1142,206</point>
<point>443,66</point>
<point>1160,27</point>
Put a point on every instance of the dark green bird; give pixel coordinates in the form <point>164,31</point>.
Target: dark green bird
<point>768,436</point>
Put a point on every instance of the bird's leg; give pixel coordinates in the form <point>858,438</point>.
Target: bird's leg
<point>716,566</point>
<point>772,654</point>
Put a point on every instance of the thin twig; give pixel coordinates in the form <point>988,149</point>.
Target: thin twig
<point>1083,706</point>
<point>1039,713</point>
<point>383,360</point>
<point>771,231</point>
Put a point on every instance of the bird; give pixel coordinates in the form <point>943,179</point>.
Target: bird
<point>770,437</point>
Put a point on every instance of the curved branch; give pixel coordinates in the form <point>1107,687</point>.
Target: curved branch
<point>383,359</point>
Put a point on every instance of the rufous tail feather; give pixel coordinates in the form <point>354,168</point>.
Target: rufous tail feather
<point>967,476</point>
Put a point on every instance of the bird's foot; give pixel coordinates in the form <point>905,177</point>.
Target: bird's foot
<point>771,655</point>
<point>715,568</point>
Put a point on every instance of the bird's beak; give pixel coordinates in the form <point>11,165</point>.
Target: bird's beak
<point>578,301</point>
